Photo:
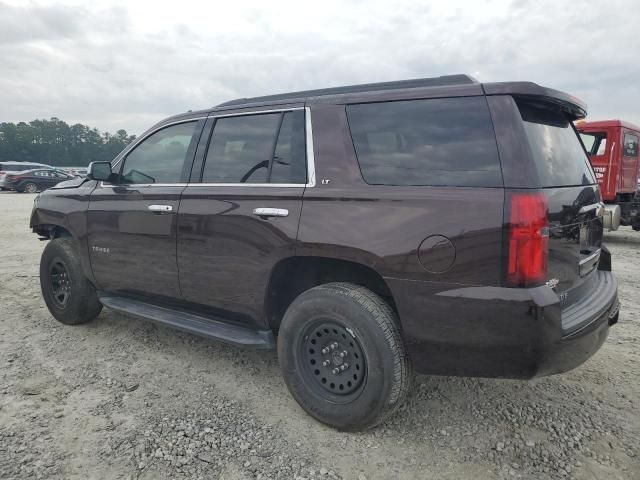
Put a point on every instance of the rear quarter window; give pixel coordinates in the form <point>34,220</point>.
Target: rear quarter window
<point>444,141</point>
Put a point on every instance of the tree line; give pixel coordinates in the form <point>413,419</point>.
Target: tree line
<point>54,142</point>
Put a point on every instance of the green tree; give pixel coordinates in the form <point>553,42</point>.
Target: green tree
<point>55,143</point>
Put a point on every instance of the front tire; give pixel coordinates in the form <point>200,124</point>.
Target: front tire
<point>342,356</point>
<point>69,296</point>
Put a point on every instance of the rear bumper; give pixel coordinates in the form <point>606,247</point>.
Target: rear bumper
<point>574,349</point>
<point>502,332</point>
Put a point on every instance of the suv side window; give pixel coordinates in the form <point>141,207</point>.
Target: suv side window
<point>443,141</point>
<point>160,157</point>
<point>258,148</point>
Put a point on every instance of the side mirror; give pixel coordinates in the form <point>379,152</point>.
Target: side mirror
<point>100,171</point>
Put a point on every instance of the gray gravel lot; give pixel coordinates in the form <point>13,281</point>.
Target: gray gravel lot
<point>124,398</point>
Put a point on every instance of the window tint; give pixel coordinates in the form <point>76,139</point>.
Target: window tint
<point>289,161</point>
<point>160,157</point>
<point>242,148</point>
<point>448,141</point>
<point>558,155</point>
<point>630,145</point>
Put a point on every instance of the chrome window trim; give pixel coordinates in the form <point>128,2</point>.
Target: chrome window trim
<point>311,161</point>
<point>281,185</point>
<point>255,112</point>
<point>112,185</point>
<point>311,166</point>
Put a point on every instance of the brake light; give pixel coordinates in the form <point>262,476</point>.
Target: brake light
<point>528,239</point>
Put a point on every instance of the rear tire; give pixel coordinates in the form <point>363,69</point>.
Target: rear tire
<point>69,296</point>
<point>342,356</point>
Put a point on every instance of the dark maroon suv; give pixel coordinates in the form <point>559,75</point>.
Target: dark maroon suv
<point>437,225</point>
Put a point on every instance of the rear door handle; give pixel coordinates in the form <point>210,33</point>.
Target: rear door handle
<point>271,212</point>
<point>160,208</point>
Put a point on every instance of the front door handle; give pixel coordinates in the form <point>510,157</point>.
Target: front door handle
<point>160,208</point>
<point>271,212</point>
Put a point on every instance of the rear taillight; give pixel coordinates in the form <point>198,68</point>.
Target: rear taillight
<point>528,239</point>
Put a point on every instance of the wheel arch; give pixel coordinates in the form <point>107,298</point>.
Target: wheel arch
<point>51,231</point>
<point>294,275</point>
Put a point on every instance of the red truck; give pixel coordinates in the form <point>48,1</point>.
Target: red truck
<point>612,146</point>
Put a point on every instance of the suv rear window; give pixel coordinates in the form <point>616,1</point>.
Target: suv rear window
<point>443,141</point>
<point>557,151</point>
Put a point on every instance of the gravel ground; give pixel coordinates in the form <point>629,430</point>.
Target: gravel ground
<point>124,398</point>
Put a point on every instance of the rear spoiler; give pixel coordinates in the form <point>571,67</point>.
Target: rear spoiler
<point>573,106</point>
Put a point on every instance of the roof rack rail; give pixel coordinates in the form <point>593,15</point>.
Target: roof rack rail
<point>444,80</point>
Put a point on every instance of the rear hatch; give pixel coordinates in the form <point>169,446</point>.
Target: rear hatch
<point>567,182</point>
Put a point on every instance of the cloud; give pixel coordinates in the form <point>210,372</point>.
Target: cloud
<point>126,65</point>
<point>22,24</point>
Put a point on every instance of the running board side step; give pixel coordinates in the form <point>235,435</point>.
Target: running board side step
<point>214,328</point>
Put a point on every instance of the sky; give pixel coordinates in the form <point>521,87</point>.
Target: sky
<point>127,64</point>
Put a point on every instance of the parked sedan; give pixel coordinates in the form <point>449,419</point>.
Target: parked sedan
<point>17,167</point>
<point>32,181</point>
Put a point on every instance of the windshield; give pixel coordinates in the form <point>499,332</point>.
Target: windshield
<point>556,148</point>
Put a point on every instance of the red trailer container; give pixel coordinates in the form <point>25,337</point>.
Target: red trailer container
<point>612,146</point>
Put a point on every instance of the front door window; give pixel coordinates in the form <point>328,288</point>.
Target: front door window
<point>160,157</point>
